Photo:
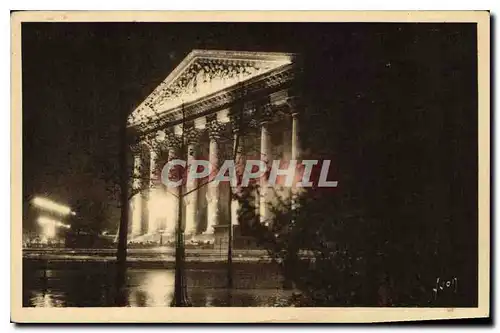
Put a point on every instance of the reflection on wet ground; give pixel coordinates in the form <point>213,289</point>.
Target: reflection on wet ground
<point>88,286</point>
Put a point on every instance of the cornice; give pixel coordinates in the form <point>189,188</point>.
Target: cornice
<point>270,80</point>
<point>203,73</point>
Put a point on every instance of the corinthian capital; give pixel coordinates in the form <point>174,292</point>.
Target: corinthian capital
<point>215,129</point>
<point>152,142</point>
<point>192,135</point>
<point>172,141</point>
<point>137,147</point>
<point>266,113</point>
<point>293,105</point>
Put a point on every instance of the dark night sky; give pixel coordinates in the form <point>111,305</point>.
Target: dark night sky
<point>388,79</point>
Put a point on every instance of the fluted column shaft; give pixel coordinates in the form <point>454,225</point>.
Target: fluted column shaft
<point>152,210</point>
<point>265,152</point>
<point>239,165</point>
<point>213,212</point>
<point>136,199</point>
<point>192,197</point>
<point>172,199</point>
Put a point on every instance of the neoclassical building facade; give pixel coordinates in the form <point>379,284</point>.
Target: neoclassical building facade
<point>212,101</point>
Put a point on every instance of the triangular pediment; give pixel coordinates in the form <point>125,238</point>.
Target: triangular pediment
<point>202,73</point>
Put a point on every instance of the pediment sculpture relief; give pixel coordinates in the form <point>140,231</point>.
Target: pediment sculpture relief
<point>201,74</point>
<point>203,78</point>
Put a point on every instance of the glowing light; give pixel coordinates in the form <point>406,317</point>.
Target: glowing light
<point>49,231</point>
<point>47,222</point>
<point>159,288</point>
<point>42,300</point>
<point>52,206</point>
<point>49,227</point>
<point>160,207</point>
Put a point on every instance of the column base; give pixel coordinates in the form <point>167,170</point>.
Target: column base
<point>202,239</point>
<point>210,230</point>
<point>189,234</point>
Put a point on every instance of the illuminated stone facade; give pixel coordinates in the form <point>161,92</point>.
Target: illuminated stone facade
<point>200,102</point>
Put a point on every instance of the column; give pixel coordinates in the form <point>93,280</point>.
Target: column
<point>172,199</point>
<point>295,153</point>
<point>239,165</point>
<point>144,191</point>
<point>265,152</point>
<point>153,207</point>
<point>191,199</point>
<point>136,203</point>
<point>213,212</point>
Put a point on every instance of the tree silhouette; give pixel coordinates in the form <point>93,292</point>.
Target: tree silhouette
<point>405,211</point>
<point>129,180</point>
